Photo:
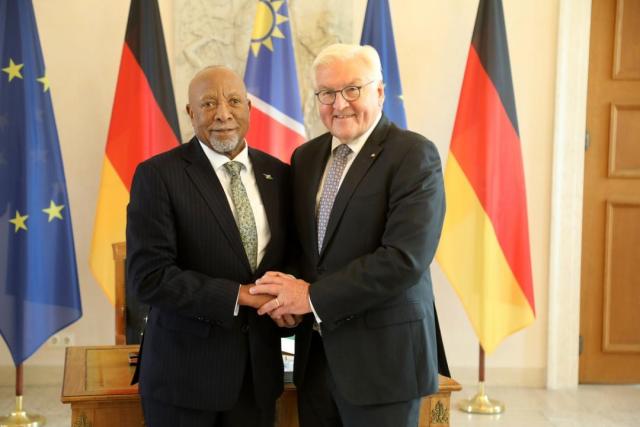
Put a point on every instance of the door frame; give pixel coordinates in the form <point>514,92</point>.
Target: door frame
<point>565,249</point>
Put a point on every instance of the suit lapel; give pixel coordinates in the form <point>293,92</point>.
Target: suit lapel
<point>206,181</point>
<point>310,183</point>
<point>361,164</point>
<point>268,188</point>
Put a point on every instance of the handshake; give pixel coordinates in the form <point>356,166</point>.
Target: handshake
<point>283,297</point>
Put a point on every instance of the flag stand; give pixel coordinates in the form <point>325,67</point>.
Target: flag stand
<point>19,418</point>
<point>480,403</point>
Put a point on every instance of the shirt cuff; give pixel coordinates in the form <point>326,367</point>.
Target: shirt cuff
<point>318,321</point>
<point>236,310</point>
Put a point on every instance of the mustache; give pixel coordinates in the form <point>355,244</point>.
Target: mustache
<point>223,128</point>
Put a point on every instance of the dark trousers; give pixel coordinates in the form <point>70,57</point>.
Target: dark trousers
<point>321,405</point>
<point>245,413</point>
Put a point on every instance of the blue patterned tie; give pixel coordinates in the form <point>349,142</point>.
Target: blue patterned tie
<point>244,214</point>
<point>330,189</point>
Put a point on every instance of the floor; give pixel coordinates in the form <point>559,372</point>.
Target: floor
<point>585,406</point>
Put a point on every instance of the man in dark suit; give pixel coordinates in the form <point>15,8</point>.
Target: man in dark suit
<point>204,221</point>
<point>368,208</point>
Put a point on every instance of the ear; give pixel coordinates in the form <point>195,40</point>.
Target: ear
<point>249,104</point>
<point>189,111</point>
<point>380,90</point>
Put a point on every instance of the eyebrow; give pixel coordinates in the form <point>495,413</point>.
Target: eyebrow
<point>356,82</point>
<point>208,96</point>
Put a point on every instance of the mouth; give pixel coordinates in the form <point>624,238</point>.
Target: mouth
<point>343,116</point>
<point>223,131</point>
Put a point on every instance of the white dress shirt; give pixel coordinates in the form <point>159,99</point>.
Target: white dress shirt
<point>248,179</point>
<point>355,145</point>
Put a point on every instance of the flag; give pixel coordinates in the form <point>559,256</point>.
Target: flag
<point>377,31</point>
<point>143,123</point>
<point>277,123</point>
<point>270,76</point>
<point>484,249</point>
<point>39,292</point>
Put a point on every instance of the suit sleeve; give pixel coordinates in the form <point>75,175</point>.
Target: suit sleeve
<point>409,240</point>
<point>152,266</point>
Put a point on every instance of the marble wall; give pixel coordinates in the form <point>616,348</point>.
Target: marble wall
<point>210,32</point>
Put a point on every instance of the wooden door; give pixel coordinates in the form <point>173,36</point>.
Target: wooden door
<point>610,292</point>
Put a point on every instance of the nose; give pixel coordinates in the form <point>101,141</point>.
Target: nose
<point>222,112</point>
<point>339,103</point>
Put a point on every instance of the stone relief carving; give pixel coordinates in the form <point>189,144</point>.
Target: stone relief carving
<point>218,32</point>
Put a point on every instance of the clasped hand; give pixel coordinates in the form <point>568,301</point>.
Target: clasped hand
<point>291,297</point>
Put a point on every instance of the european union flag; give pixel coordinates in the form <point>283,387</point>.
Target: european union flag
<point>377,31</point>
<point>39,292</point>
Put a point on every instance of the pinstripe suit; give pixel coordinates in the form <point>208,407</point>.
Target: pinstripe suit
<point>185,259</point>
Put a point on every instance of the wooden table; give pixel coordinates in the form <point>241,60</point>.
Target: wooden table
<point>96,384</point>
<point>435,409</point>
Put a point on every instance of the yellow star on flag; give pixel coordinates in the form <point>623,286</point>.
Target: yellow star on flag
<point>45,82</point>
<point>19,221</point>
<point>13,69</point>
<point>54,211</point>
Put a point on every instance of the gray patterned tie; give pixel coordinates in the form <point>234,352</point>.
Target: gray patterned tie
<point>244,215</point>
<point>330,189</point>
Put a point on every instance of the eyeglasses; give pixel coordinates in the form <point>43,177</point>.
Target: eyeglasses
<point>349,93</point>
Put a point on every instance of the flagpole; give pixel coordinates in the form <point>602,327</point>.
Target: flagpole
<point>481,403</point>
<point>481,364</point>
<point>19,418</point>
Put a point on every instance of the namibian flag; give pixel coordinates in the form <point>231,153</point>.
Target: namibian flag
<point>271,80</point>
<point>143,123</point>
<point>484,249</point>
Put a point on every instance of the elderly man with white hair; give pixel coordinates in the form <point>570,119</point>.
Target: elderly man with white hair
<point>368,202</point>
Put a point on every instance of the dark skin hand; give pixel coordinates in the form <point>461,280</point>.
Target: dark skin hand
<point>256,301</point>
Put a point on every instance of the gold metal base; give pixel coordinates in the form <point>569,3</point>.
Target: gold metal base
<point>481,404</point>
<point>20,418</point>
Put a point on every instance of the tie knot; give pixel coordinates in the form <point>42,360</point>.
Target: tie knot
<point>233,168</point>
<point>342,151</point>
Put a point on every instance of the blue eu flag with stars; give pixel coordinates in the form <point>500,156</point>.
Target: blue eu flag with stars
<point>39,292</point>
<point>377,31</point>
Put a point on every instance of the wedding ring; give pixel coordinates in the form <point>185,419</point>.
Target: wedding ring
<point>277,302</point>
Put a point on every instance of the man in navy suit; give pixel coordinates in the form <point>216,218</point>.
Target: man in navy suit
<point>368,202</point>
<point>204,221</point>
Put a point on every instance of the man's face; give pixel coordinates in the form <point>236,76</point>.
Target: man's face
<point>219,110</point>
<point>348,120</point>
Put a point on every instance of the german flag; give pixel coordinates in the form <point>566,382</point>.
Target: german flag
<point>484,249</point>
<point>143,123</point>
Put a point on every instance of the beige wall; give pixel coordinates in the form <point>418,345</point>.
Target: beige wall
<point>82,42</point>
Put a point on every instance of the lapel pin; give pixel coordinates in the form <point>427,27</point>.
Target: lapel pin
<point>373,155</point>
<point>267,176</point>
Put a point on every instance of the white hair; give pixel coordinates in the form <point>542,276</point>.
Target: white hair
<point>345,52</point>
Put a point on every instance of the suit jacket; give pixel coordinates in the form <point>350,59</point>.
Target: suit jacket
<point>370,284</point>
<point>186,260</point>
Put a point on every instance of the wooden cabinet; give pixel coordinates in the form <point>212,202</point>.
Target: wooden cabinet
<point>96,385</point>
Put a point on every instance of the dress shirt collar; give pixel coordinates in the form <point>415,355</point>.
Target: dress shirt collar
<point>356,144</point>
<point>218,160</point>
